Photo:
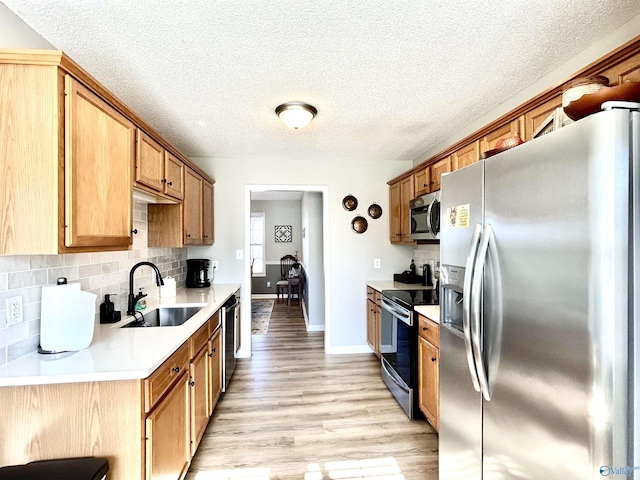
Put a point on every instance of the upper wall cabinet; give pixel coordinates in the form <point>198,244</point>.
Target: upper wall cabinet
<point>99,149</point>
<point>157,169</point>
<point>207,213</point>
<point>67,165</point>
<point>511,129</point>
<point>466,155</point>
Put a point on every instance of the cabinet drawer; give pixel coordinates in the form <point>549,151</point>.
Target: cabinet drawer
<point>378,299</point>
<point>371,294</point>
<point>199,339</point>
<point>156,385</point>
<point>429,330</point>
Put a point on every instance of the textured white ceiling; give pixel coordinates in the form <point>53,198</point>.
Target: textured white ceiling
<point>390,78</point>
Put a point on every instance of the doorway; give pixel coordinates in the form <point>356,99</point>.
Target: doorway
<point>309,239</point>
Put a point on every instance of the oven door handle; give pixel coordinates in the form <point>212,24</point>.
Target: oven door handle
<point>397,313</point>
<point>386,370</point>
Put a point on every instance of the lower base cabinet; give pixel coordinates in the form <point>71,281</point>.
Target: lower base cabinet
<point>145,428</point>
<point>429,370</point>
<point>167,441</point>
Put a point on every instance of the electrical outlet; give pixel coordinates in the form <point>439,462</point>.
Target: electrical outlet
<point>14,310</point>
<point>376,263</point>
<point>215,264</point>
<point>268,284</point>
<point>239,254</point>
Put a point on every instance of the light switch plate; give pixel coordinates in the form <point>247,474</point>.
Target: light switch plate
<point>238,254</point>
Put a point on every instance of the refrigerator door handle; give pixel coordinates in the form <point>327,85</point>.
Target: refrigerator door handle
<point>466,305</point>
<point>476,296</point>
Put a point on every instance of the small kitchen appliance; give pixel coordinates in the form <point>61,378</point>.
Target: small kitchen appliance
<point>198,273</point>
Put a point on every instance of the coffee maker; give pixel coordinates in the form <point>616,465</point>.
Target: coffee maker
<point>198,273</point>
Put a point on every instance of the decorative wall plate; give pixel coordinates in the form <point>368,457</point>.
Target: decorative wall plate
<point>375,211</point>
<point>283,233</point>
<point>350,203</point>
<point>359,224</point>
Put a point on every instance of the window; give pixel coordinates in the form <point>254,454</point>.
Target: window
<point>257,245</point>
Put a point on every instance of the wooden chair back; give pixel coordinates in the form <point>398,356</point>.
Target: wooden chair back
<point>286,264</point>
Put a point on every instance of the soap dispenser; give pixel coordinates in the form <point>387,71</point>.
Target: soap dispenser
<point>108,313</point>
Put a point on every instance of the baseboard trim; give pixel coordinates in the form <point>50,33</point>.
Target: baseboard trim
<point>263,296</point>
<point>348,349</point>
<point>315,328</point>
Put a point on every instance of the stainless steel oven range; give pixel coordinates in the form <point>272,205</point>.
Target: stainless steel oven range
<point>399,344</point>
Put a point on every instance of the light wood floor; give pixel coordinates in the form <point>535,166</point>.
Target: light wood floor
<point>291,412</point>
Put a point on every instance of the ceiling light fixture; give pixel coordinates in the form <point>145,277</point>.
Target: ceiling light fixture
<point>296,114</point>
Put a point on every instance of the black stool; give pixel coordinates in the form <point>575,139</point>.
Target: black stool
<point>88,468</point>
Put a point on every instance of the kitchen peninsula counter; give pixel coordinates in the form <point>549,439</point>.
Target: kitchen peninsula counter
<point>119,353</point>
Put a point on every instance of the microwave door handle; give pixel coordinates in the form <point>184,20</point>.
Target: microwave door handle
<point>476,317</point>
<point>466,305</point>
<point>429,226</point>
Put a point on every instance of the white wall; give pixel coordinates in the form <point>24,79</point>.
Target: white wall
<point>280,212</point>
<point>313,258</point>
<point>14,33</point>
<point>350,258</point>
<point>609,43</point>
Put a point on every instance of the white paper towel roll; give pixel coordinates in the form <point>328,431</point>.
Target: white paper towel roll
<point>67,317</point>
<point>169,288</point>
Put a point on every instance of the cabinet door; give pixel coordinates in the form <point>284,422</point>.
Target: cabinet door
<point>371,325</point>
<point>429,380</point>
<point>436,171</point>
<point>534,118</point>
<point>377,319</point>
<point>207,213</point>
<point>490,140</point>
<point>167,439</point>
<point>149,161</point>
<point>192,208</point>
<point>99,149</point>
<point>199,396</point>
<point>215,369</point>
<point>173,176</point>
<point>395,233</point>
<point>466,155</point>
<point>421,181</point>
<point>406,195</point>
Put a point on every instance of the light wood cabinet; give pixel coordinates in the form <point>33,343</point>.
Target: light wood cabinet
<point>99,149</point>
<point>400,194</point>
<point>167,435</point>
<point>207,213</point>
<point>199,396</point>
<point>535,117</point>
<point>215,368</point>
<point>173,181</point>
<point>374,312</point>
<point>511,129</point>
<point>149,161</point>
<point>435,173</point>
<point>422,181</point>
<point>466,155</point>
<point>429,369</point>
<point>192,207</point>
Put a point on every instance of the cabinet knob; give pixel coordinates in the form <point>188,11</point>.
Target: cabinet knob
<point>425,184</point>
<point>209,355</point>
<point>206,236</point>
<point>170,183</point>
<point>192,383</point>
<point>433,359</point>
<point>214,350</point>
<point>164,180</point>
<point>134,231</point>
<point>175,369</point>
<point>425,329</point>
<point>188,235</point>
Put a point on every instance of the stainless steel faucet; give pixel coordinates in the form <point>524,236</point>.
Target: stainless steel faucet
<point>133,299</point>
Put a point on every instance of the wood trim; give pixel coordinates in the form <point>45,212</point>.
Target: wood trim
<point>60,59</point>
<point>614,57</point>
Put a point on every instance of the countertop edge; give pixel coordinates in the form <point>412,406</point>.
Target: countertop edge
<point>107,347</point>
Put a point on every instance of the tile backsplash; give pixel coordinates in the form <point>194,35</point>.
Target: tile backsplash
<point>99,273</point>
<point>426,254</point>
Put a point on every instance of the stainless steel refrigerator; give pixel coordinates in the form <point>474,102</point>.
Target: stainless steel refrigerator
<point>539,253</point>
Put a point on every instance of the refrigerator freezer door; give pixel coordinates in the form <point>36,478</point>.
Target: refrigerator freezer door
<point>460,434</point>
<point>559,210</point>
<point>460,211</point>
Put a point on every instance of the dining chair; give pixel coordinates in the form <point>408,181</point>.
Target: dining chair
<point>286,264</point>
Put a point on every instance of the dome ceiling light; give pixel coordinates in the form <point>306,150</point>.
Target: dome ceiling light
<point>296,114</point>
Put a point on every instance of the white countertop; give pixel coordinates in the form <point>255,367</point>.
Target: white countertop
<point>391,285</point>
<point>119,353</point>
<point>432,312</point>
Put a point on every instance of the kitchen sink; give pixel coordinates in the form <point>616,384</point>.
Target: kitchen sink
<point>164,317</point>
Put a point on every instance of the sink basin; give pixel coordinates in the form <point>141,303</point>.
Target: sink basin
<point>164,317</point>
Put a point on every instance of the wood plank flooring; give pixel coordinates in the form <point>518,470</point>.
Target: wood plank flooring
<point>292,413</point>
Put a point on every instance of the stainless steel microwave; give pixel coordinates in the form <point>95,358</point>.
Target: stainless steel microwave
<point>425,217</point>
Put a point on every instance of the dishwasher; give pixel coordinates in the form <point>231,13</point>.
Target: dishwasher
<point>229,313</point>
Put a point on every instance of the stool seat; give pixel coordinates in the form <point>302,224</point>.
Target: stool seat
<point>88,468</point>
